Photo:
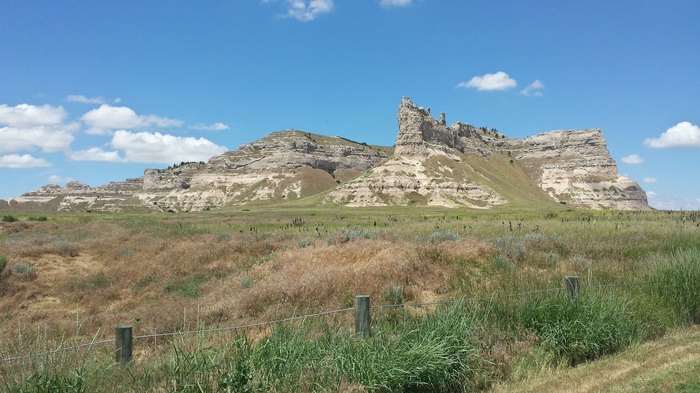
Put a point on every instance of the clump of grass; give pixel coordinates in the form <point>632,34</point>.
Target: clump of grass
<point>246,282</point>
<point>676,280</point>
<point>441,236</point>
<point>38,218</point>
<point>3,264</point>
<point>394,294</point>
<point>9,218</point>
<point>24,271</point>
<point>585,327</point>
<point>187,287</point>
<point>511,248</point>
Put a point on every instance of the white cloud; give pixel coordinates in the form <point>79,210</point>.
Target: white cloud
<point>308,11</point>
<point>16,161</point>
<point>107,118</point>
<point>86,100</point>
<point>28,127</point>
<point>46,138</point>
<point>683,134</point>
<point>56,179</point>
<point>666,202</point>
<point>395,3</point>
<point>490,82</point>
<point>632,159</point>
<point>149,147</point>
<point>210,127</point>
<point>95,154</point>
<point>649,179</point>
<point>25,115</point>
<point>533,89</point>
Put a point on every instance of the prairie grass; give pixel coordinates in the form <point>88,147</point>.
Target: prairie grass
<point>168,272</point>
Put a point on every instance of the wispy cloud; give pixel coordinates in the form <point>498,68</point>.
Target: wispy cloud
<point>86,100</point>
<point>490,82</point>
<point>683,134</point>
<point>649,180</point>
<point>395,3</point>
<point>632,159</point>
<point>16,161</point>
<point>107,118</point>
<point>307,11</point>
<point>210,127</point>
<point>91,100</point>
<point>533,89</point>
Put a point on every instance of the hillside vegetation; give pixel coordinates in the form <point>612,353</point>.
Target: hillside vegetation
<point>73,277</point>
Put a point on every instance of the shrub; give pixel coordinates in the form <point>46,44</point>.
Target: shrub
<point>350,234</point>
<point>3,263</point>
<point>24,270</point>
<point>441,236</point>
<point>38,218</point>
<point>67,248</point>
<point>9,218</point>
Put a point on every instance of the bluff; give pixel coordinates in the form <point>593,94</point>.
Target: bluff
<point>461,165</point>
<point>430,164</point>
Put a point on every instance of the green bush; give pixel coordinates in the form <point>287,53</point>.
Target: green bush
<point>9,218</point>
<point>38,218</point>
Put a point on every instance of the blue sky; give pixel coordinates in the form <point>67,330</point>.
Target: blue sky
<point>98,91</point>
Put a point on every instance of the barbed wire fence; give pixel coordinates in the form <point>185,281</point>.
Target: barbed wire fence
<point>124,339</point>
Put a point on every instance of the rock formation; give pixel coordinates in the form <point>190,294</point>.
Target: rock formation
<point>431,164</point>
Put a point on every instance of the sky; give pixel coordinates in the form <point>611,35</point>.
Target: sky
<point>97,91</point>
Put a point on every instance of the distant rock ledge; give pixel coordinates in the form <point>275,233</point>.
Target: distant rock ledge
<point>432,164</point>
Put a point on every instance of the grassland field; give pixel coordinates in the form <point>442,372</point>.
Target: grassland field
<point>72,277</point>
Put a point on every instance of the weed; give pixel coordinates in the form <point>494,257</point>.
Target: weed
<point>9,218</point>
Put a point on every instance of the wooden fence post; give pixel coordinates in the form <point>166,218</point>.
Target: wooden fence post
<point>123,339</point>
<point>572,285</point>
<point>363,318</point>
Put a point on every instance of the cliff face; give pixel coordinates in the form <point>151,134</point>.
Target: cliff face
<point>432,164</point>
<point>575,167</point>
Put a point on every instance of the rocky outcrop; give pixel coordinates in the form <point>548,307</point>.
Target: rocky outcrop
<point>421,135</point>
<point>575,167</point>
<point>432,164</point>
<point>572,167</point>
